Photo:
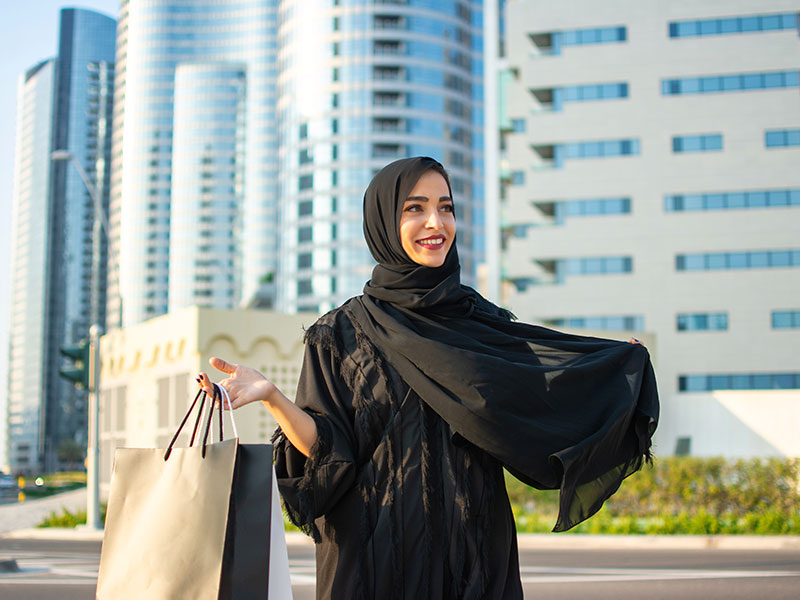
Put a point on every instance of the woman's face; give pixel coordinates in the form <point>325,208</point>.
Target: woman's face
<point>428,223</point>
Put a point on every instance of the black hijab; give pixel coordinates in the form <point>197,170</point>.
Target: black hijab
<point>557,410</point>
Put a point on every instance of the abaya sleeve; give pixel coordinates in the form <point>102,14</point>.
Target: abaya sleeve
<point>310,486</point>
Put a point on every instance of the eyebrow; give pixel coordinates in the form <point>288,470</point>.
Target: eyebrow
<point>425,198</point>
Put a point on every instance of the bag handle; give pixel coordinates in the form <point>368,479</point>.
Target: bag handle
<point>219,392</point>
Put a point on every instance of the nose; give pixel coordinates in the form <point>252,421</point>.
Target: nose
<point>433,221</point>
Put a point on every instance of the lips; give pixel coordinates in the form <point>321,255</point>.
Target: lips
<point>434,242</point>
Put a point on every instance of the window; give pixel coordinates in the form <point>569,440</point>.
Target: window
<point>601,265</point>
<point>738,381</point>
<point>303,131</point>
<point>750,24</point>
<point>732,200</point>
<point>778,138</point>
<point>756,259</point>
<point>593,207</point>
<point>697,143</point>
<point>304,287</point>
<point>608,323</point>
<point>598,149</point>
<point>305,208</point>
<point>305,182</point>
<point>786,319</point>
<point>600,91</point>
<point>702,322</point>
<point>518,125</point>
<point>304,234</point>
<point>730,83</point>
<point>518,178</point>
<point>304,156</point>
<point>604,35</point>
<point>304,260</point>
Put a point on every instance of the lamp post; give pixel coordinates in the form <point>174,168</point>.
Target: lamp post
<point>95,331</point>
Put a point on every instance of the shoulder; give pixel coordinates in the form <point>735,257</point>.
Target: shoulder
<point>333,331</point>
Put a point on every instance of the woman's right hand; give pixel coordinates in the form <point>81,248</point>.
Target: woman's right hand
<point>243,384</point>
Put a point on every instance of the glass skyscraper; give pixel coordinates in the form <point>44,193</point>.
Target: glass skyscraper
<point>361,84</point>
<point>27,350</point>
<point>195,146</point>
<point>247,130</point>
<point>65,104</point>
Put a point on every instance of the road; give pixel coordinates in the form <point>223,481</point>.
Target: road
<point>67,570</point>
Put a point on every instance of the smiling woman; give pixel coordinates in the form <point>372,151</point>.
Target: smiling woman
<point>416,394</point>
<point>428,223</point>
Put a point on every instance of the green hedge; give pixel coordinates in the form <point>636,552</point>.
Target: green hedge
<point>683,495</point>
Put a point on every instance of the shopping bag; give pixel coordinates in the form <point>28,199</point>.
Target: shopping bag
<point>194,522</point>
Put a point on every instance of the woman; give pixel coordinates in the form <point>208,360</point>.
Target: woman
<point>415,395</point>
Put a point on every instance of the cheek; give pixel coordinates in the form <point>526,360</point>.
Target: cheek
<point>407,235</point>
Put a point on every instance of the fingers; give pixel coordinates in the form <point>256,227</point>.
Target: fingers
<point>222,365</point>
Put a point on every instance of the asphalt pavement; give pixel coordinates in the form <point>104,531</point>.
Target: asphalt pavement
<point>62,564</point>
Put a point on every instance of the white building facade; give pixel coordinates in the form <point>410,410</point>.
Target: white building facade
<point>652,183</point>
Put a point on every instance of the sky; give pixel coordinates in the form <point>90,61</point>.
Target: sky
<point>28,34</point>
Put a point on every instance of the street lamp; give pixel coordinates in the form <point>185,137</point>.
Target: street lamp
<point>95,331</point>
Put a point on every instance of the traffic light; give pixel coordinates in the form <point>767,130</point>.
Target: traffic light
<point>79,373</point>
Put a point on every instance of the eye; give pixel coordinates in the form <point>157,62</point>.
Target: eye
<point>412,208</point>
<point>447,208</point>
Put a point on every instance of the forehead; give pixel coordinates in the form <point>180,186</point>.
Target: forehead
<point>431,184</point>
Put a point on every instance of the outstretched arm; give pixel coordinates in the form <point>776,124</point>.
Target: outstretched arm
<point>246,385</point>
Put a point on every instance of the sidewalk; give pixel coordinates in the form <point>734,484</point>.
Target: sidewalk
<point>20,520</point>
<point>28,514</point>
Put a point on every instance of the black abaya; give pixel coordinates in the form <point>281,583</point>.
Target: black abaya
<point>399,509</point>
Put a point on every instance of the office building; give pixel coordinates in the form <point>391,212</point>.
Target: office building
<point>651,158</point>
<point>194,202</point>
<point>64,104</point>
<point>361,84</point>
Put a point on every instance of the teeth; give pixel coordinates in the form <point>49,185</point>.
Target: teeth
<point>432,242</point>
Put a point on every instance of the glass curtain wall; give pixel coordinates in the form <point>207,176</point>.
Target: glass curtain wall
<point>361,84</point>
<point>158,154</point>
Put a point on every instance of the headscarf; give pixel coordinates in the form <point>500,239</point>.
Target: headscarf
<point>559,411</point>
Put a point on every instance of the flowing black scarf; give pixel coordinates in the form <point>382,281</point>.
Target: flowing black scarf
<point>559,411</point>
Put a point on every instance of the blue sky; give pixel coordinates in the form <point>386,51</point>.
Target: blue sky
<point>28,34</point>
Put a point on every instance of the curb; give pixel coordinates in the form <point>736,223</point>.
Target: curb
<point>584,541</point>
<point>525,541</point>
<point>77,534</point>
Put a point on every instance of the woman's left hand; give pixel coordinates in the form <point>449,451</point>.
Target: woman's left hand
<point>634,341</point>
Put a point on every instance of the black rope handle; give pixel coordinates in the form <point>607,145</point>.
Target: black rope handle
<point>199,416</point>
<point>183,422</point>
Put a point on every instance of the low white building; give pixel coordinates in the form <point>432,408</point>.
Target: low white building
<point>148,372</point>
<point>652,182</point>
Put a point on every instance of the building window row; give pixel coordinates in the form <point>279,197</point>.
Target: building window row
<point>786,319</point>
<point>780,138</point>
<point>609,323</point>
<point>730,83</point>
<point>757,259</point>
<point>550,42</point>
<point>739,381</point>
<point>598,149</point>
<point>600,35</point>
<point>702,321</point>
<point>749,24</point>
<point>732,200</point>
<point>600,91</point>
<point>597,265</point>
<point>593,206</point>
<point>697,143</point>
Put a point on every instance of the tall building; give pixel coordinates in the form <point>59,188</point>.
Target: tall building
<point>241,154</point>
<point>194,202</point>
<point>64,104</point>
<point>361,84</point>
<point>652,183</point>
<point>29,250</point>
